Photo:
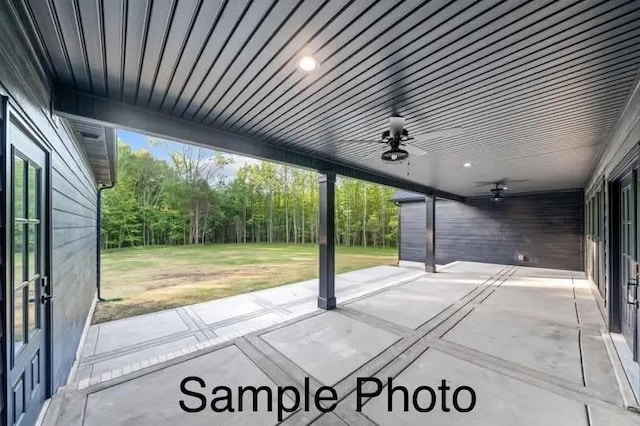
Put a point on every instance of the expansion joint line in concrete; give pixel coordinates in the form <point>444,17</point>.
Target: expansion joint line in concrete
<point>577,391</point>
<point>390,356</point>
<point>172,337</point>
<point>117,376</point>
<point>415,346</point>
<point>127,369</point>
<point>571,390</point>
<point>276,373</point>
<point>271,307</point>
<point>136,347</point>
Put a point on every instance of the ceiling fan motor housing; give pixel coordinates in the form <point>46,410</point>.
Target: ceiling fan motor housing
<point>395,140</point>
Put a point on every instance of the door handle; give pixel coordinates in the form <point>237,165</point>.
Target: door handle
<point>45,297</point>
<point>632,286</point>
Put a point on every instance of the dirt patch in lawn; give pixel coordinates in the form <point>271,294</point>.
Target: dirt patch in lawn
<point>180,278</point>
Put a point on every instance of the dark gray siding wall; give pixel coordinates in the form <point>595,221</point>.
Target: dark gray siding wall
<point>413,232</point>
<point>73,273</point>
<point>545,228</point>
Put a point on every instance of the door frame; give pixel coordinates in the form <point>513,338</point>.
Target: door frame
<point>10,115</point>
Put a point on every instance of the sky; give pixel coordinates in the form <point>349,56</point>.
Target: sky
<point>139,141</point>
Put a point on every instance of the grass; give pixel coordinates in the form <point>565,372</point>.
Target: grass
<point>137,281</point>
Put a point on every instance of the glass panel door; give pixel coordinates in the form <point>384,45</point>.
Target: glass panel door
<point>26,250</point>
<point>27,347</point>
<point>628,266</point>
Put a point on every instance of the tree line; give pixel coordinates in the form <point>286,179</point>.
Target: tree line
<point>187,199</point>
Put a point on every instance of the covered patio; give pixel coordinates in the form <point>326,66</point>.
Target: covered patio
<point>136,342</point>
<point>530,342</point>
<point>537,98</point>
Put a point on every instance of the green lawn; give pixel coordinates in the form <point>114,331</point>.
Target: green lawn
<point>136,281</point>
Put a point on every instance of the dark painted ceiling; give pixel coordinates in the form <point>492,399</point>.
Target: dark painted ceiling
<point>537,85</point>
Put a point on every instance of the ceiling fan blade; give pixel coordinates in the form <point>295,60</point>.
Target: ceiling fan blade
<point>413,150</point>
<point>374,154</point>
<point>445,133</point>
<point>359,141</point>
<point>500,182</point>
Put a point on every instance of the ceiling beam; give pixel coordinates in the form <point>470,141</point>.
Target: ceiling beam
<point>83,106</point>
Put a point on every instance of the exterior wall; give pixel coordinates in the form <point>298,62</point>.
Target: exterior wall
<point>620,153</point>
<point>412,246</point>
<point>73,197</point>
<point>545,228</point>
<point>603,263</point>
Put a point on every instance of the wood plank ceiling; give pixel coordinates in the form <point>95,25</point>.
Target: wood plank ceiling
<point>537,85</point>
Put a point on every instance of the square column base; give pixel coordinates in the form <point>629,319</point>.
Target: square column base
<point>327,304</point>
<point>429,268</point>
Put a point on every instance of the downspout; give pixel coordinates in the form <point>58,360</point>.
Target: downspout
<point>99,239</point>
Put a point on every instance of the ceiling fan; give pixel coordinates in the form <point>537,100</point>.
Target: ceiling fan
<point>500,186</point>
<point>497,193</point>
<point>395,141</point>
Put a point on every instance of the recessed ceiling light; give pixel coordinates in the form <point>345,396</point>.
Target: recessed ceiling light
<point>307,63</point>
<point>466,165</point>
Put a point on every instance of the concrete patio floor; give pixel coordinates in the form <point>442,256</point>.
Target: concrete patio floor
<point>530,342</point>
<point>132,342</point>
